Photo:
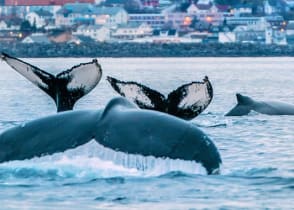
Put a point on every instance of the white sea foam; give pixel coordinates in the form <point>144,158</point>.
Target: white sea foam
<point>93,159</point>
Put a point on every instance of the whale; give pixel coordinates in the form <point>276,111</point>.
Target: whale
<point>246,104</point>
<point>67,87</point>
<point>186,102</point>
<point>121,126</point>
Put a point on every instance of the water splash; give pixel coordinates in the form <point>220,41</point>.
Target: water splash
<point>147,166</point>
<point>92,160</point>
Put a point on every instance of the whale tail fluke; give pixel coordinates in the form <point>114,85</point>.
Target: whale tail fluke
<point>189,100</point>
<point>143,96</point>
<point>186,102</point>
<point>65,88</point>
<point>76,82</point>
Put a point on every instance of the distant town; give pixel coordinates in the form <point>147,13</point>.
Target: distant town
<point>147,21</point>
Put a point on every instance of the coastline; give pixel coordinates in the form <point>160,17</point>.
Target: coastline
<point>117,50</point>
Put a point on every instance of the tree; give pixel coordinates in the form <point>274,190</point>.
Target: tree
<point>133,5</point>
<point>25,26</point>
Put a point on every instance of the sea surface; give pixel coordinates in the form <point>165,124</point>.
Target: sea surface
<point>257,150</point>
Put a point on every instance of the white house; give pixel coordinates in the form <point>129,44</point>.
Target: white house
<point>132,31</point>
<point>110,16</point>
<point>36,38</point>
<point>4,26</point>
<point>97,32</point>
<point>243,20</point>
<point>241,9</point>
<point>177,19</point>
<point>214,14</point>
<point>155,20</point>
<point>260,32</point>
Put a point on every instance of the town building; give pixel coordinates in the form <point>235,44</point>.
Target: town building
<point>71,14</point>
<point>131,31</point>
<point>43,2</point>
<point>155,20</point>
<point>110,16</point>
<point>97,32</point>
<point>36,38</point>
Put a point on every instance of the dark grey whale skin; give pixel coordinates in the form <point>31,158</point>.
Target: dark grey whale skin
<point>121,126</point>
<point>246,104</point>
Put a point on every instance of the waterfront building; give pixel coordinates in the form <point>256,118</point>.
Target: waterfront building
<point>97,32</point>
<point>71,14</point>
<point>6,25</point>
<point>131,31</point>
<point>110,16</point>
<point>43,2</point>
<point>36,38</point>
<point>155,20</point>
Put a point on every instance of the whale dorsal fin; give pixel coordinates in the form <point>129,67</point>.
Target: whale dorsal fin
<point>116,103</point>
<point>67,87</point>
<point>143,96</point>
<point>190,99</point>
<point>243,100</point>
<point>243,107</point>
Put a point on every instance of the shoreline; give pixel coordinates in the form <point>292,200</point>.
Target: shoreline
<point>138,50</point>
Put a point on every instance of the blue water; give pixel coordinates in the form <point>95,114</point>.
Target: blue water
<point>257,150</point>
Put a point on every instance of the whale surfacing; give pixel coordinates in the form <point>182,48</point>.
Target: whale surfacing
<point>186,102</point>
<point>246,104</point>
<point>66,87</point>
<point>121,126</point>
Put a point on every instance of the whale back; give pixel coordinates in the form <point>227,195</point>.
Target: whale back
<point>275,108</point>
<point>48,135</point>
<point>246,104</point>
<point>126,128</point>
<point>121,126</point>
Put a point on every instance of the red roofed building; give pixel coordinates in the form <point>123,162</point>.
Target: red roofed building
<point>43,2</point>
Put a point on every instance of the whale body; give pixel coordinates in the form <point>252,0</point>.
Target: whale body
<point>66,87</point>
<point>120,126</point>
<point>186,102</point>
<point>246,104</point>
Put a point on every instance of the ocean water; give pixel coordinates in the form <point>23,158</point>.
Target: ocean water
<point>257,150</point>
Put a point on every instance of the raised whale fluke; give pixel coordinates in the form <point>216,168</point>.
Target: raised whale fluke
<point>246,104</point>
<point>186,102</point>
<point>121,126</point>
<point>66,87</point>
